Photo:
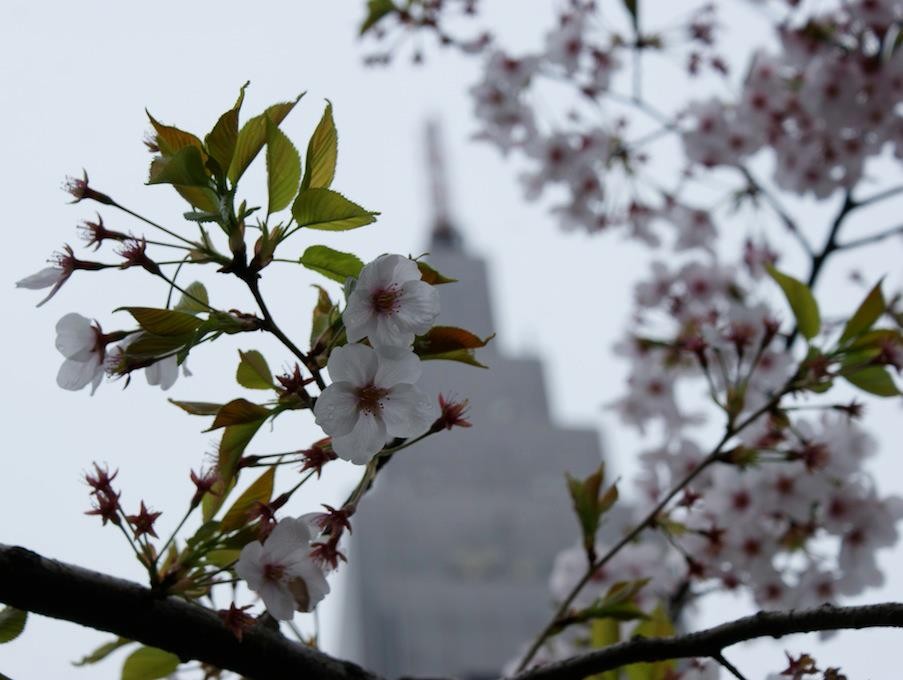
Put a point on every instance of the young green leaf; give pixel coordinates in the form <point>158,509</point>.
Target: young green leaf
<point>431,276</point>
<point>450,344</point>
<point>444,339</point>
<point>194,300</point>
<point>322,153</point>
<point>203,198</point>
<point>866,315</point>
<point>658,625</point>
<point>376,11</point>
<point>283,168</point>
<point>198,408</point>
<point>604,633</point>
<point>332,264</point>
<point>171,139</point>
<point>224,135</point>
<point>260,491</point>
<point>253,135</point>
<point>149,663</point>
<point>874,380</point>
<point>253,371</point>
<point>102,652</point>
<point>184,168</point>
<point>239,412</point>
<point>585,498</point>
<point>801,301</point>
<point>12,623</point>
<point>167,322</point>
<point>330,211</point>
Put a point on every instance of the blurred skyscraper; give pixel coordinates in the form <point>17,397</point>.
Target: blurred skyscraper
<point>452,549</point>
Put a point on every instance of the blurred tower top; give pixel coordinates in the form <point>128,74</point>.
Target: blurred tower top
<point>443,234</point>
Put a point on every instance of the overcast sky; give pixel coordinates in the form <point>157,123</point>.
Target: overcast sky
<point>75,82</point>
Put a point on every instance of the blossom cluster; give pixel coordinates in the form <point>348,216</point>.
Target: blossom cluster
<point>825,103</point>
<point>373,397</point>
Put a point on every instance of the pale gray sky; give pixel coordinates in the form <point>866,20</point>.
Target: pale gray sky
<point>75,82</point>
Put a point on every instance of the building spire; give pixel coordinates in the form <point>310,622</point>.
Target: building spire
<point>443,232</point>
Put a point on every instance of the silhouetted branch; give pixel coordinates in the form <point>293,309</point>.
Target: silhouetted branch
<point>44,586</point>
<point>709,643</point>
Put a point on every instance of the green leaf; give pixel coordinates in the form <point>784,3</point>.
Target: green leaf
<point>253,371</point>
<point>239,412</point>
<point>325,314</point>
<point>202,198</point>
<point>463,356</point>
<point>253,136</point>
<point>376,10</point>
<point>450,344</point>
<point>183,168</point>
<point>260,491</point>
<point>330,211</point>
<point>874,380</point>
<point>322,153</point>
<point>802,302</point>
<point>214,499</point>
<point>102,652</point>
<point>233,444</point>
<point>657,626</point>
<point>171,139</point>
<point>149,663</point>
<point>198,408</point>
<point>283,168</point>
<point>333,264</point>
<point>224,135</point>
<point>431,276</point>
<point>604,633</point>
<point>222,558</point>
<point>633,9</point>
<point>12,623</point>
<point>148,345</point>
<point>866,315</point>
<point>166,322</point>
<point>190,302</point>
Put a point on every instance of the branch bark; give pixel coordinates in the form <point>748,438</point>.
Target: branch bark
<point>44,586</point>
<point>710,642</point>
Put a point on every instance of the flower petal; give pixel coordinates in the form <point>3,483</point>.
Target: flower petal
<point>163,373</point>
<point>354,363</point>
<point>249,566</point>
<point>289,535</point>
<point>419,306</point>
<point>358,317</point>
<point>75,337</point>
<point>278,600</point>
<point>397,365</point>
<point>407,411</point>
<point>49,276</point>
<point>363,442</point>
<point>74,375</point>
<point>336,410</point>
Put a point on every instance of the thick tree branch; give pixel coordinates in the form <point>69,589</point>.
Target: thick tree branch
<point>37,584</point>
<point>709,643</point>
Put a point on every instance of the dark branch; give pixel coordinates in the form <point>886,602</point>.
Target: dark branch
<point>709,643</point>
<point>37,584</point>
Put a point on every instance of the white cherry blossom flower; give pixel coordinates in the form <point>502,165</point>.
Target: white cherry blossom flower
<point>81,343</point>
<point>372,398</point>
<point>390,304</point>
<point>282,571</point>
<point>165,372</point>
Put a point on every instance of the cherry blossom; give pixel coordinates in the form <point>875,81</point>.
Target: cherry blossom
<point>82,344</point>
<point>371,399</point>
<point>282,571</point>
<point>390,304</point>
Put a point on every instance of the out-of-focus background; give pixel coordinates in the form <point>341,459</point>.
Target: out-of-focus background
<point>74,82</point>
